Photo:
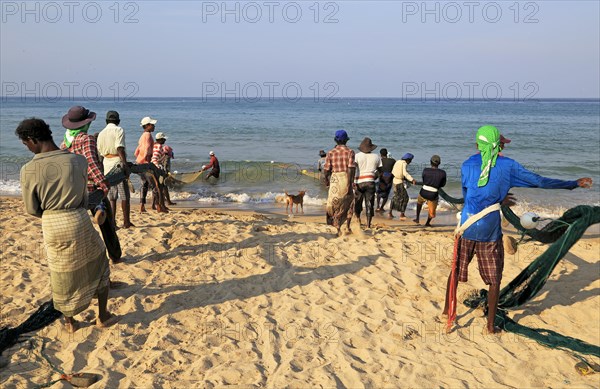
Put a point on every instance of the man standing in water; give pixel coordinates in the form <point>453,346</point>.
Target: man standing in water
<point>214,165</point>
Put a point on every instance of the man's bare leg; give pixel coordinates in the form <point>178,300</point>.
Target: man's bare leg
<point>419,207</point>
<point>105,318</point>
<point>71,325</point>
<point>493,295</point>
<point>126,207</point>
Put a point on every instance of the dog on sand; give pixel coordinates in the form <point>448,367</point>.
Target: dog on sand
<point>298,199</point>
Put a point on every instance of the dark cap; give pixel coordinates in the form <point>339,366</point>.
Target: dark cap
<point>436,160</point>
<point>383,152</point>
<point>341,135</point>
<point>112,115</point>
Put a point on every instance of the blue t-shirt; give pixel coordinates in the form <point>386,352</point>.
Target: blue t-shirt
<point>505,175</point>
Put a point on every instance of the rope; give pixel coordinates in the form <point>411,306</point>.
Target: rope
<point>453,286</point>
<point>56,369</point>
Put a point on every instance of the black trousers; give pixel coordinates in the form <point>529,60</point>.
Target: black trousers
<point>365,191</point>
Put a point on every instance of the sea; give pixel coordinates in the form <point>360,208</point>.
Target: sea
<point>267,147</point>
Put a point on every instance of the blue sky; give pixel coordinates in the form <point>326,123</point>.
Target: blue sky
<point>375,49</point>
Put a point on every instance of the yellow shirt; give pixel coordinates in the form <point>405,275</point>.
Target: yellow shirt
<point>109,140</point>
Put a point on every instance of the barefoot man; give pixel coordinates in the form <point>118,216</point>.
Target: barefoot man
<point>486,180</point>
<point>54,186</point>
<point>339,175</point>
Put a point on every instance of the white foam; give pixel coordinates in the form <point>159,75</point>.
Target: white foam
<point>10,187</point>
<point>239,198</point>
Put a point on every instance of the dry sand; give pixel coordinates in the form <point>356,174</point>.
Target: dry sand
<point>210,298</point>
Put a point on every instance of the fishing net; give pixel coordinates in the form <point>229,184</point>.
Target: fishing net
<point>45,315</point>
<point>116,176</point>
<point>562,233</point>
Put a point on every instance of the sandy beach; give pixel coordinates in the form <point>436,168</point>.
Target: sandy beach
<point>216,297</point>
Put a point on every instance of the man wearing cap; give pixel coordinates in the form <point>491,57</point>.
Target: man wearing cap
<point>368,165</point>
<point>76,140</point>
<point>384,187</point>
<point>400,173</point>
<point>214,165</point>
<point>433,179</point>
<point>486,179</point>
<point>143,154</point>
<point>111,145</point>
<point>158,151</point>
<point>503,142</point>
<point>339,170</point>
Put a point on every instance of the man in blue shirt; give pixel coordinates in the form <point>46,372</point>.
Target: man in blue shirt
<point>486,180</point>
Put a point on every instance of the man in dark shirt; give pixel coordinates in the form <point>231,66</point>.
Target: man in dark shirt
<point>433,179</point>
<point>385,180</point>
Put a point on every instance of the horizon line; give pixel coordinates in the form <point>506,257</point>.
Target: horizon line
<point>321,99</point>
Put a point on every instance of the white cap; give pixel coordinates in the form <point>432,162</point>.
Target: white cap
<point>161,135</point>
<point>147,120</point>
<point>211,153</point>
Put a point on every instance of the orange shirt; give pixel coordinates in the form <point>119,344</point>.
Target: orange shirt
<point>143,153</point>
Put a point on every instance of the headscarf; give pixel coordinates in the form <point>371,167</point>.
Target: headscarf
<point>488,143</point>
<point>70,135</point>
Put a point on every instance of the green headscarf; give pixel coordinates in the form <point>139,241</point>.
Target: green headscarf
<point>488,143</point>
<point>71,134</point>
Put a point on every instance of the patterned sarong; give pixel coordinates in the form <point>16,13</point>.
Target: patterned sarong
<point>77,259</point>
<point>400,199</point>
<point>340,203</point>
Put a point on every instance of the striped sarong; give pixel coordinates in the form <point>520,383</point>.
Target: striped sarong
<point>77,259</point>
<point>340,203</point>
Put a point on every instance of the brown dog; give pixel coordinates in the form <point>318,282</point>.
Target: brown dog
<point>298,199</point>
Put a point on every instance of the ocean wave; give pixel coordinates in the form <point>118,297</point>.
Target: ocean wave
<point>242,198</point>
<point>10,187</point>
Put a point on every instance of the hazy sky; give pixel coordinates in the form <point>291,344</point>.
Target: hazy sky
<point>342,48</point>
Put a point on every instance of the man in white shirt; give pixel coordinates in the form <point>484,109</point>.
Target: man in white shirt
<point>400,173</point>
<point>368,165</point>
<point>111,145</point>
